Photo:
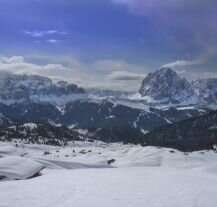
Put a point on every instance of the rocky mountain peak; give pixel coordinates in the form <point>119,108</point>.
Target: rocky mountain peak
<point>166,71</point>
<point>166,86</point>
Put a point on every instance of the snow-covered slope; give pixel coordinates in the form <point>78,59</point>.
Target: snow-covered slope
<point>139,176</point>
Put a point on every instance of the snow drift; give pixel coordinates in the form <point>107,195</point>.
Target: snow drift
<point>18,168</point>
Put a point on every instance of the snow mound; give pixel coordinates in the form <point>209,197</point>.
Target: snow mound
<point>18,168</point>
<point>11,150</point>
<point>60,164</point>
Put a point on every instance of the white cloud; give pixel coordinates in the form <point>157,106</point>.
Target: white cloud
<point>53,41</point>
<point>13,59</point>
<point>183,63</point>
<point>37,33</point>
<point>73,70</point>
<point>181,67</point>
<point>18,65</point>
<point>191,75</point>
<point>116,74</point>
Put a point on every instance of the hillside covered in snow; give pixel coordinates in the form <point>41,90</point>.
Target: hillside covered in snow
<point>99,174</point>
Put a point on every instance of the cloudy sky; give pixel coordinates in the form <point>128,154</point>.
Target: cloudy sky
<point>108,43</point>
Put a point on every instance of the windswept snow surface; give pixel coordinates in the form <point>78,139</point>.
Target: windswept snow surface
<point>140,176</point>
<point>18,168</point>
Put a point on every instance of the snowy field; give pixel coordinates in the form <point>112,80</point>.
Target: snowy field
<point>80,176</point>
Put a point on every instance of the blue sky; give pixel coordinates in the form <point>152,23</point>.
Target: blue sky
<point>108,43</point>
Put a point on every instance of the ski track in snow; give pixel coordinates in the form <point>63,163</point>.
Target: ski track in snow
<point>149,176</point>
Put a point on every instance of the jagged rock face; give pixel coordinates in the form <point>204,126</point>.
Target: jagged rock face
<point>206,90</point>
<point>22,87</point>
<point>166,86</point>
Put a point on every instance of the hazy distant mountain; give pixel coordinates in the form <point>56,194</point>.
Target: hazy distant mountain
<point>20,88</point>
<point>206,90</point>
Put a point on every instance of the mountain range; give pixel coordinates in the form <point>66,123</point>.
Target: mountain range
<point>164,99</point>
<point>163,87</point>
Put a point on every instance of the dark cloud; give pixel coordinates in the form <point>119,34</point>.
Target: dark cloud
<point>125,76</point>
<point>190,21</point>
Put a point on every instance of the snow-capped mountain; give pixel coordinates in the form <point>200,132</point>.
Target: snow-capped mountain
<point>206,89</point>
<point>165,87</point>
<point>19,88</point>
<point>32,98</point>
<point>103,114</point>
